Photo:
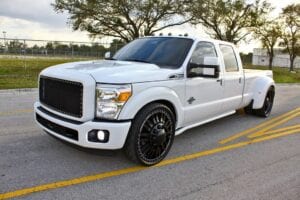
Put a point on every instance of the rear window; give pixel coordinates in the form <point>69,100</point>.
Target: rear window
<point>229,57</point>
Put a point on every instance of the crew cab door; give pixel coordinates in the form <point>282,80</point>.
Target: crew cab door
<point>233,79</point>
<point>204,90</point>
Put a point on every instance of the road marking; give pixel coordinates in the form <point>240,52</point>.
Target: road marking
<point>14,112</point>
<point>262,125</point>
<point>97,177</point>
<point>291,131</point>
<point>288,128</point>
<point>278,123</point>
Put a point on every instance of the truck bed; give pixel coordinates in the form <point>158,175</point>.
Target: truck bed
<point>255,72</point>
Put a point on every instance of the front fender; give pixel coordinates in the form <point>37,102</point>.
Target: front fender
<point>260,90</point>
<point>138,101</point>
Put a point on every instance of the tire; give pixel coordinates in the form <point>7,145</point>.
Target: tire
<point>266,109</point>
<point>151,135</point>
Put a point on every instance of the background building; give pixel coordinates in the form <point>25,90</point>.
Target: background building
<point>281,59</point>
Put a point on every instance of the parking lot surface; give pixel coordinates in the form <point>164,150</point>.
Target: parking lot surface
<point>237,157</point>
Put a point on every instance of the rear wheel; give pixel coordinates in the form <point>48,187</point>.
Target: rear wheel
<point>265,111</point>
<point>151,135</point>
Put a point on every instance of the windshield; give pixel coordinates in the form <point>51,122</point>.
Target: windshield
<point>165,52</point>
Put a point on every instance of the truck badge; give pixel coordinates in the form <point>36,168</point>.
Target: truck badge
<point>191,100</point>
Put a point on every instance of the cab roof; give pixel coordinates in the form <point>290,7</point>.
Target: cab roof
<point>195,38</point>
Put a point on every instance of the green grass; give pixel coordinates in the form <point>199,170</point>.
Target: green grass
<point>17,72</point>
<point>281,75</point>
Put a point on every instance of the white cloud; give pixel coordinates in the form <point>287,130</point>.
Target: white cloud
<point>16,28</point>
<point>36,20</point>
<point>36,11</point>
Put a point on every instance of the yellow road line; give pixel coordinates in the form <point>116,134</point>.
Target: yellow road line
<point>296,127</point>
<point>278,123</point>
<point>290,131</point>
<point>70,182</point>
<point>13,112</point>
<point>240,134</point>
<point>104,175</point>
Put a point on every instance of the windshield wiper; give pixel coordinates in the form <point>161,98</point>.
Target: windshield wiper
<point>137,60</point>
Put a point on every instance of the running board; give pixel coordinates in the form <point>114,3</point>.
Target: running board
<point>183,129</point>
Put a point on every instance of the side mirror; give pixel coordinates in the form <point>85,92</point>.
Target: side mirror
<point>107,55</point>
<point>204,67</point>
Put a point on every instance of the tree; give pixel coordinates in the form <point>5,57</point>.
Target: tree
<point>98,50</point>
<point>49,46</point>
<point>123,19</point>
<point>291,35</point>
<point>115,45</point>
<point>228,20</point>
<point>269,34</point>
<point>15,46</point>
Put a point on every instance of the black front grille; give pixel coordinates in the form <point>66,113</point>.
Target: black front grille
<point>61,95</point>
<point>61,130</point>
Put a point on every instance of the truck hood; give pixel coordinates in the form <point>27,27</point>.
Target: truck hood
<point>110,71</point>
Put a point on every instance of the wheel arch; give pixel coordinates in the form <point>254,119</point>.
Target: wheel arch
<point>260,89</point>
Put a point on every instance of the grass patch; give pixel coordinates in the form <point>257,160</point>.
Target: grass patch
<point>17,72</point>
<point>280,74</point>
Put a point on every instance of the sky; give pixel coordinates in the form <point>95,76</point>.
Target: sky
<point>36,19</point>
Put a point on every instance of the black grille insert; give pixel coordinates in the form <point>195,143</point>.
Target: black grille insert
<point>61,130</point>
<point>61,95</point>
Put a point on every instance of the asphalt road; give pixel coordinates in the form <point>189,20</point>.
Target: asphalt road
<point>266,165</point>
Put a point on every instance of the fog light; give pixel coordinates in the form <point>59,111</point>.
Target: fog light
<point>98,136</point>
<point>101,135</point>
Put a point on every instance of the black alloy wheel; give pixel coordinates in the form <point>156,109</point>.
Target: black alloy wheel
<point>268,104</point>
<point>151,135</point>
<point>265,111</point>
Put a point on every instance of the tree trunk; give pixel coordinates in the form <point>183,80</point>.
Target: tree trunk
<point>292,64</point>
<point>271,62</point>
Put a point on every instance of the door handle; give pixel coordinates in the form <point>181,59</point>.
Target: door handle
<point>220,80</point>
<point>240,80</point>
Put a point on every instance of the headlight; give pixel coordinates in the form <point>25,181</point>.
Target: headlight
<point>110,99</point>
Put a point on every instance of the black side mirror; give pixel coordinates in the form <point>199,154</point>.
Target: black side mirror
<point>209,67</point>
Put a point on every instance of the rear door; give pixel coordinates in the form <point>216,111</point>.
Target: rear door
<point>233,80</point>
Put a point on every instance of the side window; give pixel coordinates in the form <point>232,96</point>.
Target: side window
<point>229,57</point>
<point>202,50</point>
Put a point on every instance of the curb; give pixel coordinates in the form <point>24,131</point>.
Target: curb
<point>287,84</point>
<point>19,90</point>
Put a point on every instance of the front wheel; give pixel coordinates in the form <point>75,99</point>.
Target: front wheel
<point>151,135</point>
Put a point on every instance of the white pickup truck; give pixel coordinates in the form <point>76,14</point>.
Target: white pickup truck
<point>151,90</point>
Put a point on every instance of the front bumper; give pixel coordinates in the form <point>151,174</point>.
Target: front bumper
<point>117,130</point>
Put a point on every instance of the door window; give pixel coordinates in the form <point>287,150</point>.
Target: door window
<point>203,49</point>
<point>229,57</point>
